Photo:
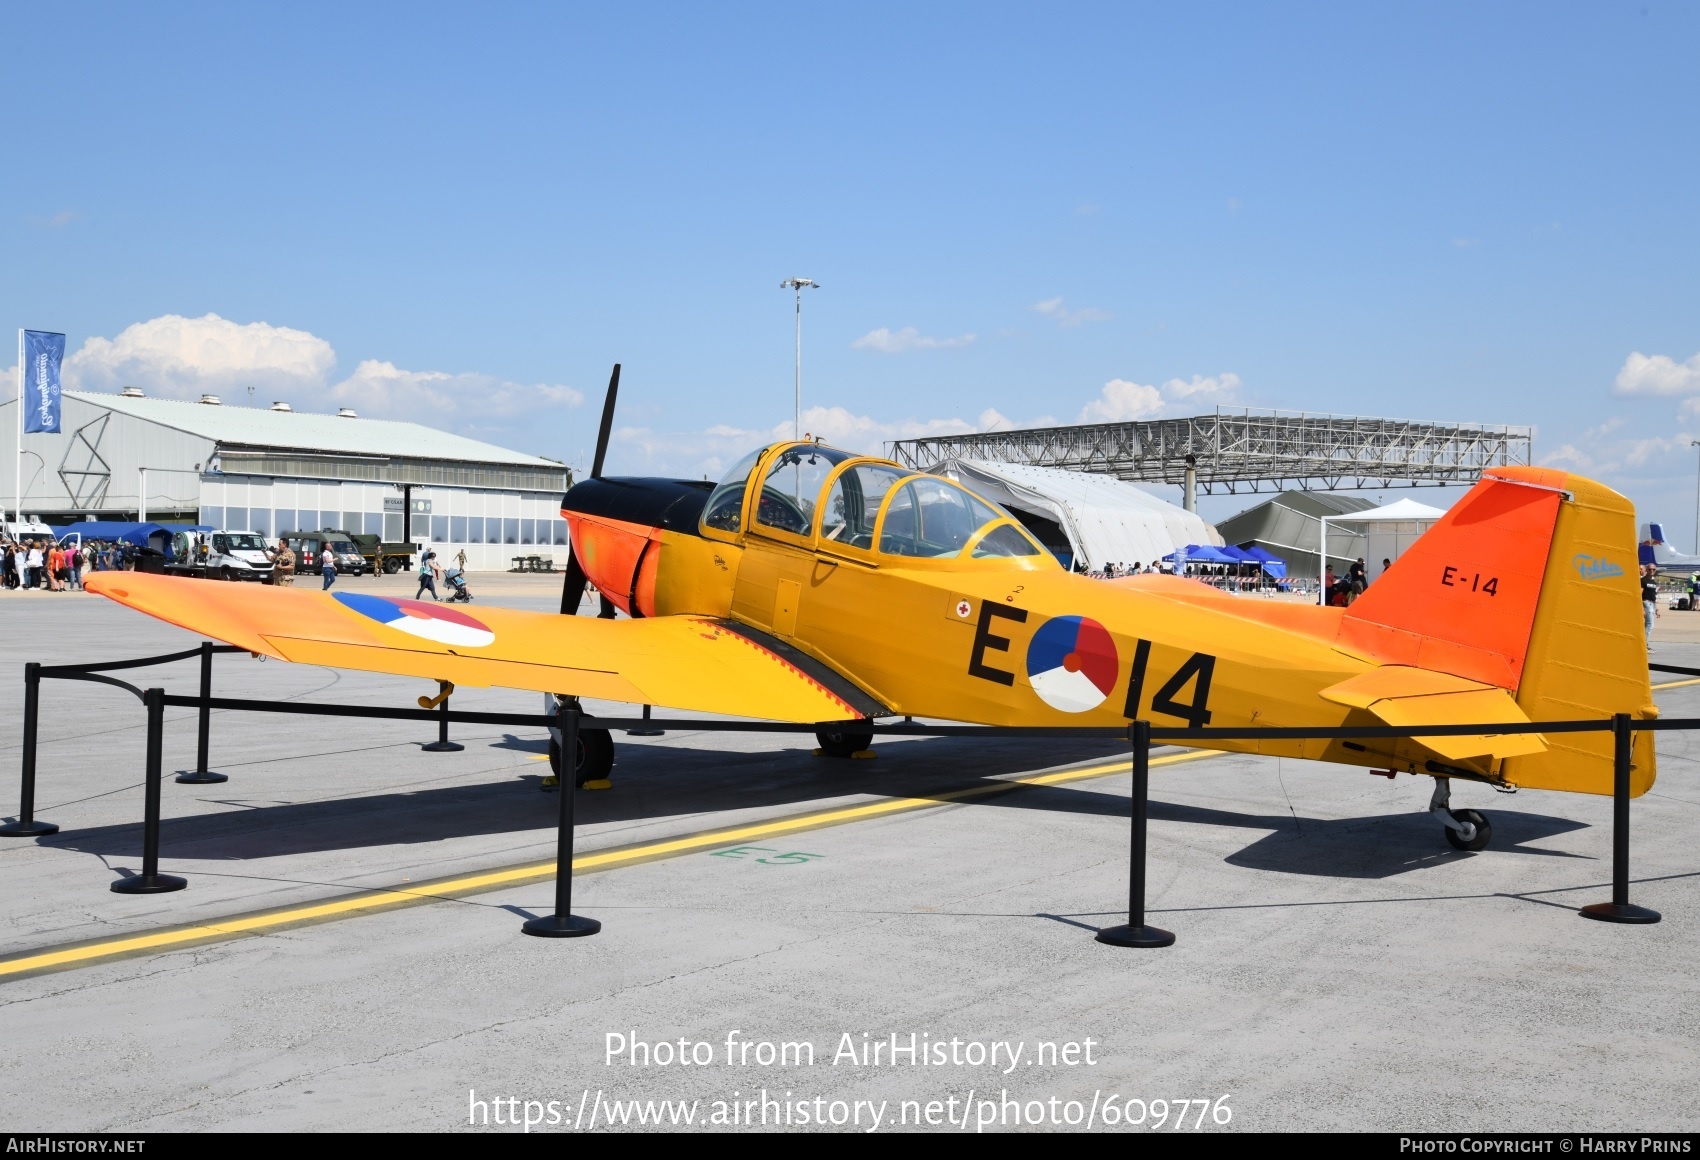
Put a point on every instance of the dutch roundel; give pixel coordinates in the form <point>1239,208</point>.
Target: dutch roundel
<point>1072,664</point>
<point>417,618</point>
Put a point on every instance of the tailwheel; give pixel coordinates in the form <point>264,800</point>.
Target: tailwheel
<point>844,743</point>
<point>595,760</point>
<point>1477,830</point>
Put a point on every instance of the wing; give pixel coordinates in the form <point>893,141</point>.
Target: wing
<point>684,662</point>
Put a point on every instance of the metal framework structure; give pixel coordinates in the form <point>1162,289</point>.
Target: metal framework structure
<point>1235,451</point>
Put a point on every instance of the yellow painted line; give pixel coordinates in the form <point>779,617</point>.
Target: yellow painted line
<point>1677,684</point>
<point>220,929</point>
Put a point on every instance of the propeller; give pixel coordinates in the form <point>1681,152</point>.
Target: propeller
<point>572,588</point>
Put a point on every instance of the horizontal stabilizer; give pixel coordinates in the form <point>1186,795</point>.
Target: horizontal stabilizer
<point>1403,696</point>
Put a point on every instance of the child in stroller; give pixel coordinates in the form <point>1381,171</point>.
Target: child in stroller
<point>458,591</point>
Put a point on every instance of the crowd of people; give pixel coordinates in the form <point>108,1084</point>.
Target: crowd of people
<point>30,565</point>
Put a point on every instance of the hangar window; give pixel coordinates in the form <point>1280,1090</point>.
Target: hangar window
<point>793,484</point>
<point>853,504</point>
<point>929,516</point>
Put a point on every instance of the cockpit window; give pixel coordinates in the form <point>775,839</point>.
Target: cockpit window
<point>854,503</point>
<point>793,484</point>
<point>1004,541</point>
<point>725,506</point>
<point>931,517</point>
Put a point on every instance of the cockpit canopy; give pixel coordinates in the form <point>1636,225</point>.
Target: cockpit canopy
<point>837,499</point>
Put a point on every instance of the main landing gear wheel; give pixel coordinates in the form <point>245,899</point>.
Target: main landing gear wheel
<point>843,743</point>
<point>595,759</point>
<point>1472,820</point>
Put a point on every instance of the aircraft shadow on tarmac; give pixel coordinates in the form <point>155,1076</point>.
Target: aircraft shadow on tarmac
<point>1382,846</point>
<point>650,781</point>
<point>654,781</point>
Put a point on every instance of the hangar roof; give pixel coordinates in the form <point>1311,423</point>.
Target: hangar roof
<point>334,434</point>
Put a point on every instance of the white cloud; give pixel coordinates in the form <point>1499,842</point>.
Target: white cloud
<point>1657,375</point>
<point>382,388</point>
<point>695,454</point>
<point>887,341</point>
<point>182,358</point>
<point>1054,309</point>
<point>1124,401</point>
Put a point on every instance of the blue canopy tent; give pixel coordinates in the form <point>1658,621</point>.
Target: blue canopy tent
<point>1200,554</point>
<point>148,535</point>
<point>1273,565</point>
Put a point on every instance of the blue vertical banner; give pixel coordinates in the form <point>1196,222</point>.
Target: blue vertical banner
<point>44,351</point>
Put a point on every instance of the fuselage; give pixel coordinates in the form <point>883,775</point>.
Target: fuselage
<point>996,639</point>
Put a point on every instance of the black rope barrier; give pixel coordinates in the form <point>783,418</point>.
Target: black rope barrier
<point>571,721</point>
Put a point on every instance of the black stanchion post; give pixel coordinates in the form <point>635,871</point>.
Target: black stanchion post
<point>564,923</point>
<point>150,880</point>
<point>1135,933</point>
<point>200,775</point>
<point>1619,908</point>
<point>26,826</point>
<point>645,730</point>
<point>442,744</point>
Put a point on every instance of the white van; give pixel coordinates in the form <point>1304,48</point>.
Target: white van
<point>220,556</point>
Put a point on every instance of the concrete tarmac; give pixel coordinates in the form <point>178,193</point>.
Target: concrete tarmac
<point>1338,965</point>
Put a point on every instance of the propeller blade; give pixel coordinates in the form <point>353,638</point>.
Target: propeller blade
<point>572,590</point>
<point>607,423</point>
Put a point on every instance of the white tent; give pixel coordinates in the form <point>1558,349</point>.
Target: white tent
<point>1389,529</point>
<point>1103,519</point>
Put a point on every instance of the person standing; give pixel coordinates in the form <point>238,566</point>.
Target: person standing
<point>32,574</point>
<point>1359,577</point>
<point>284,564</point>
<point>428,573</point>
<point>75,563</point>
<point>1649,599</point>
<point>327,566</point>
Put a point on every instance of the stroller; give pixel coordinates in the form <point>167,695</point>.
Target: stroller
<point>458,591</point>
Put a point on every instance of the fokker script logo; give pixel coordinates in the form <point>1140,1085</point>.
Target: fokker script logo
<point>1595,567</point>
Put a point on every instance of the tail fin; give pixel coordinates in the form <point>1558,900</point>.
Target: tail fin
<point>1528,583</point>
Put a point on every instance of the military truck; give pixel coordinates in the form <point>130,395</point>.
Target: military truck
<point>386,558</point>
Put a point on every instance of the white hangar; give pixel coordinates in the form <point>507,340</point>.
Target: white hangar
<point>274,470</point>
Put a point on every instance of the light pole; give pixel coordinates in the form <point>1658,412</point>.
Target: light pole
<point>1696,443</point>
<point>798,284</point>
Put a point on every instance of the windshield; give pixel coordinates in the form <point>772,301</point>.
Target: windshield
<point>244,543</point>
<point>342,548</point>
<point>725,507</point>
<point>933,517</point>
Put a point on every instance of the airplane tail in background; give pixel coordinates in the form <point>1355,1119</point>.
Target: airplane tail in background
<point>1530,584</point>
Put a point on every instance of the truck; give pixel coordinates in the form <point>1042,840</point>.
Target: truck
<point>383,557</point>
<point>219,556</point>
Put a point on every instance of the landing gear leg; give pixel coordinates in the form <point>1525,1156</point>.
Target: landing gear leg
<point>1465,829</point>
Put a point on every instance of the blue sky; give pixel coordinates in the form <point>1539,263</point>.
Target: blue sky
<point>463,216</point>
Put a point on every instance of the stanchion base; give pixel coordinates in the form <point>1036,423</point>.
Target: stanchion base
<point>1612,912</point>
<point>1135,936</point>
<point>646,733</point>
<point>199,777</point>
<point>554,926</point>
<point>442,747</point>
<point>31,829</point>
<point>149,884</point>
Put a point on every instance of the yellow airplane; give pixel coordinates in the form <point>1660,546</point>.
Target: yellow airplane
<point>814,585</point>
